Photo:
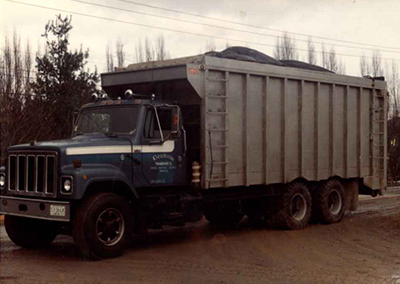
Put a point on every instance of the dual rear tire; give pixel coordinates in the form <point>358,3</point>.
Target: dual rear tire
<point>329,202</point>
<point>294,208</point>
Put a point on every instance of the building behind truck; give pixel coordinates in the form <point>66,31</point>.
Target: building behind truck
<point>226,135</point>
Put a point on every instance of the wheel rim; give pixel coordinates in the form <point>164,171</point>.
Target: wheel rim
<point>110,226</point>
<point>334,202</point>
<point>298,207</point>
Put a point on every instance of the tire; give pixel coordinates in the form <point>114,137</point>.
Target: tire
<point>294,207</point>
<point>30,233</point>
<point>103,226</point>
<point>329,202</point>
<point>228,213</point>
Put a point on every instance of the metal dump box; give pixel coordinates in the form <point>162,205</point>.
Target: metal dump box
<point>266,124</point>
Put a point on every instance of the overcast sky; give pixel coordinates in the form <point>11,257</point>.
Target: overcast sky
<point>366,22</point>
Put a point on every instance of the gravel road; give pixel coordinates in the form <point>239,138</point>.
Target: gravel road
<point>363,248</point>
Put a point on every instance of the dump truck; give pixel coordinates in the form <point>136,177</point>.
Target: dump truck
<point>172,141</point>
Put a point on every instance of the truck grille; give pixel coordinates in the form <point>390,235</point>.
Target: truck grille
<point>32,173</point>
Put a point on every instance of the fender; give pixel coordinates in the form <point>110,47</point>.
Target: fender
<point>91,173</point>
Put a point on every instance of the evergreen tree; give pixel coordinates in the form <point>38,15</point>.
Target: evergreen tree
<point>62,80</point>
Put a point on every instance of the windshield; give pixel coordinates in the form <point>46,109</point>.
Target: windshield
<point>118,120</point>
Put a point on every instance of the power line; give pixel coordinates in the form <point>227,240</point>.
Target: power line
<point>174,30</point>
<point>215,26</point>
<point>253,26</point>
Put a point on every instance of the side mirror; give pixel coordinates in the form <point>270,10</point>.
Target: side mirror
<point>176,123</point>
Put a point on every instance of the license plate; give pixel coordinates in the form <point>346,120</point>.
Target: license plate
<point>57,210</point>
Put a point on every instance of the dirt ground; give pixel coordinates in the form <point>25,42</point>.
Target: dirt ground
<point>363,248</point>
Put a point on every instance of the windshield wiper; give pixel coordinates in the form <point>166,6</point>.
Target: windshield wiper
<point>108,134</point>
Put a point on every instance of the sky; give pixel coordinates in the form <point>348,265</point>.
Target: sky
<point>353,27</point>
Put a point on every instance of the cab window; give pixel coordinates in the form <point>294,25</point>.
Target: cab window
<point>152,129</point>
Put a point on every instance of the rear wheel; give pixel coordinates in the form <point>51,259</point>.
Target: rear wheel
<point>103,225</point>
<point>329,202</point>
<point>294,207</point>
<point>30,233</point>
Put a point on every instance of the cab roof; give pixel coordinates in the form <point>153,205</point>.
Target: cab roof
<point>132,101</point>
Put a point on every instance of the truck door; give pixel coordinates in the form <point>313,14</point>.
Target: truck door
<point>163,148</point>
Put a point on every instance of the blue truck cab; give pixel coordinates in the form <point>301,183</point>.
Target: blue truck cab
<point>128,152</point>
<point>137,142</point>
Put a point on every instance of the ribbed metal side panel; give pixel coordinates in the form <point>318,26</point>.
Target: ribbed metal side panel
<point>281,129</point>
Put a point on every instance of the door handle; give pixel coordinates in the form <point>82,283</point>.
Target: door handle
<point>136,161</point>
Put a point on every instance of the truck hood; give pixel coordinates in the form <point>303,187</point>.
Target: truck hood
<point>94,145</point>
<point>67,145</point>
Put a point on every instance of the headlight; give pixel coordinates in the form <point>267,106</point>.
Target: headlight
<point>2,180</point>
<point>66,185</point>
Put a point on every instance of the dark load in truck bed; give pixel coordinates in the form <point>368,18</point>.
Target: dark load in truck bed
<point>252,55</point>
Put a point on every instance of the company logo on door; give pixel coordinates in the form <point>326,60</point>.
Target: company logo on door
<point>163,156</point>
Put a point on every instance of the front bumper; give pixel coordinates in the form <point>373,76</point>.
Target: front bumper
<point>36,208</point>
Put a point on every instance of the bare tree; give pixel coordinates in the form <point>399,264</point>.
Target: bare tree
<point>324,57</point>
<point>374,68</point>
<point>210,45</point>
<point>27,113</point>
<point>109,58</point>
<point>332,60</point>
<point>285,48</point>
<point>14,97</point>
<point>278,49</point>
<point>148,50</point>
<point>18,72</point>
<point>393,124</point>
<point>8,75</point>
<point>365,68</point>
<point>160,48</point>
<point>120,54</point>
<point>341,68</point>
<point>139,52</point>
<point>27,66</point>
<point>377,69</point>
<point>394,89</point>
<point>311,58</point>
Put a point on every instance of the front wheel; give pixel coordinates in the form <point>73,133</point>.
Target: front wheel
<point>30,233</point>
<point>103,226</point>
